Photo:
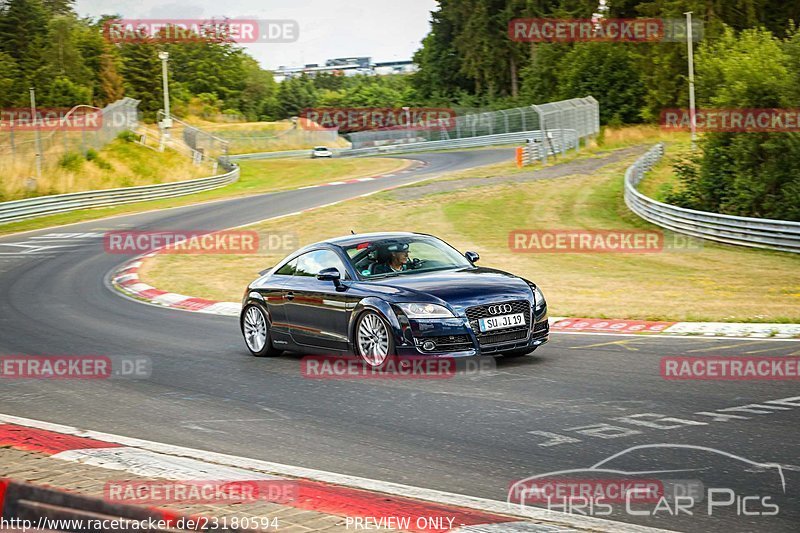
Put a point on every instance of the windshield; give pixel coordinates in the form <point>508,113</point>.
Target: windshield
<point>403,256</point>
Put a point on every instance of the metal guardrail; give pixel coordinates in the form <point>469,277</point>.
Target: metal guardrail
<point>780,235</point>
<point>556,142</point>
<point>62,203</point>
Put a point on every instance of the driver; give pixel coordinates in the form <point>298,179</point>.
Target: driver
<point>395,260</point>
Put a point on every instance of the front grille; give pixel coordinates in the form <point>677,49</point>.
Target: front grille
<point>501,335</point>
<point>497,338</point>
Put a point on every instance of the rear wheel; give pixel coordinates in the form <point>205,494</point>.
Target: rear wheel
<point>373,342</point>
<point>256,331</point>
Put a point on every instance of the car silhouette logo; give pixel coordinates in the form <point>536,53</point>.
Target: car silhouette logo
<point>520,490</point>
<point>497,309</point>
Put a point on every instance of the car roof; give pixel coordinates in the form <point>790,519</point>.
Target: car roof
<point>349,240</point>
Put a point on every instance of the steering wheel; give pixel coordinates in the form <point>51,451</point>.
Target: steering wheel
<point>416,263</point>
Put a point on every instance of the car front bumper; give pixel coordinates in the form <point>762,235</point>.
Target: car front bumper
<point>455,337</point>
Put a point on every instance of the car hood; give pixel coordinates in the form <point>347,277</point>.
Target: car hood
<point>459,288</point>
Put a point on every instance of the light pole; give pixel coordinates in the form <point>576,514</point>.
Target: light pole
<point>166,124</point>
<point>692,111</point>
<point>37,136</point>
<point>408,123</point>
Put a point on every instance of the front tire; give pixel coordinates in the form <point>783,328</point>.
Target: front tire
<point>255,329</point>
<point>373,339</point>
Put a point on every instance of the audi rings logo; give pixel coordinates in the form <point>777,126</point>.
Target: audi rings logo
<point>497,309</point>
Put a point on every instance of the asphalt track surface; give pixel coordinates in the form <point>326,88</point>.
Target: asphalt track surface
<point>569,406</point>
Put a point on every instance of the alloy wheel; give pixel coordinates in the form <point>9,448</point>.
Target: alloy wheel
<point>255,329</point>
<point>373,339</point>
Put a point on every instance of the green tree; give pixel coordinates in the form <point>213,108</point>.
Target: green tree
<point>64,62</point>
<point>23,34</point>
<point>110,83</point>
<point>541,77</point>
<point>63,92</point>
<point>259,95</point>
<point>664,64</point>
<point>609,73</point>
<point>296,94</point>
<point>8,68</point>
<point>751,173</point>
<point>440,76</point>
<point>141,71</point>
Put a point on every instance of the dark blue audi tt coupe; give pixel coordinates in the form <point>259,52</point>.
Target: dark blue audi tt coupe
<point>377,295</point>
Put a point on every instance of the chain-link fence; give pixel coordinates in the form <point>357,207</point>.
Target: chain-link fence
<point>203,145</point>
<point>581,115</point>
<point>200,145</point>
<point>578,114</point>
<point>75,131</point>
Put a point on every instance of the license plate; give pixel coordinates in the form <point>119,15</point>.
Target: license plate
<point>501,322</point>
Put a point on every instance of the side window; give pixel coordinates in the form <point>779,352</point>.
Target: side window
<point>288,269</point>
<point>311,263</point>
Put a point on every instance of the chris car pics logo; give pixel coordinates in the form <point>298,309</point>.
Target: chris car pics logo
<point>634,482</point>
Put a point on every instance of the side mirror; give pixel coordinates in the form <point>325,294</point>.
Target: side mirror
<point>330,274</point>
<point>472,257</point>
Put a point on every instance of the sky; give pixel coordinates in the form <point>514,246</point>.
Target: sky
<point>382,29</point>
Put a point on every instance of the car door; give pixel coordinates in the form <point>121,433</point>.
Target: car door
<point>275,299</point>
<point>316,311</point>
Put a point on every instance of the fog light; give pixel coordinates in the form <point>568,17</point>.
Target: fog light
<point>428,346</point>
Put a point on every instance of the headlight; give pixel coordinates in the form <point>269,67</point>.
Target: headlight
<point>538,297</point>
<point>425,311</point>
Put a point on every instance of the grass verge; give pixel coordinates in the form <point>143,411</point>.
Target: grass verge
<point>715,283</point>
<point>256,177</point>
<point>119,164</point>
<point>662,179</point>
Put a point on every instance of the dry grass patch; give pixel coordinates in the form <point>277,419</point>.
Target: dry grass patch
<point>119,164</point>
<point>715,283</point>
<point>256,177</point>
